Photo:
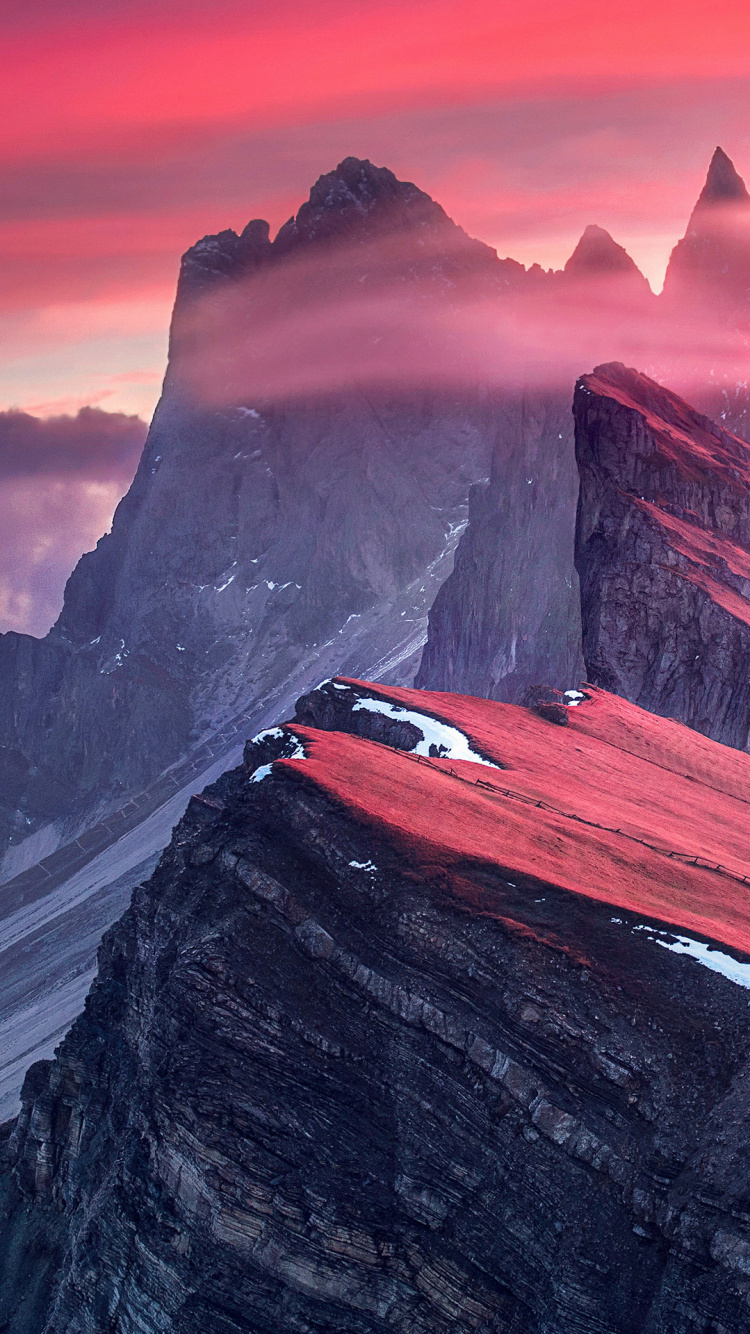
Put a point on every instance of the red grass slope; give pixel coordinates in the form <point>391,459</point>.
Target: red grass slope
<point>628,799</point>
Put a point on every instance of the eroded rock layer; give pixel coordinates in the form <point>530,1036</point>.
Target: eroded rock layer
<point>405,1034</point>
<point>663,553</point>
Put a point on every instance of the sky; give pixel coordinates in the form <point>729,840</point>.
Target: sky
<point>129,128</point>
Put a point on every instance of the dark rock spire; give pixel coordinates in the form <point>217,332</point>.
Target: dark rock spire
<point>723,183</point>
<point>710,266</point>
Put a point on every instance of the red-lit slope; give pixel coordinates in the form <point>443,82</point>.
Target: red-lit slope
<point>634,810</point>
<point>695,445</point>
<point>663,553</point>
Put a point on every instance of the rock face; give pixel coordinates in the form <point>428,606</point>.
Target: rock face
<point>508,616</point>
<point>663,553</point>
<point>389,1043</point>
<point>277,527</point>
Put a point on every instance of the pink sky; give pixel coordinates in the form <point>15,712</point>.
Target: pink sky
<point>128,130</point>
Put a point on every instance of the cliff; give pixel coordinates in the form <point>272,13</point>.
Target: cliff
<point>411,1042</point>
<point>508,616</point>
<point>663,553</point>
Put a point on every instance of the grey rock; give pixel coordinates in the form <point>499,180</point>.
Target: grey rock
<point>302,1098</point>
<point>509,617</point>
<point>663,553</point>
<point>708,275</point>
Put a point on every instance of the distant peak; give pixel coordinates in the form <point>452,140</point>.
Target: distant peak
<point>724,184</point>
<point>598,255</point>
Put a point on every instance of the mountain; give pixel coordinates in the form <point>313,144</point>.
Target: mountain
<point>663,553</point>
<point>331,397</point>
<point>710,266</point>
<point>340,1072</point>
<point>336,389</point>
<point>293,497</point>
<point>509,614</point>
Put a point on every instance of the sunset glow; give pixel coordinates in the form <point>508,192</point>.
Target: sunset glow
<point>129,130</point>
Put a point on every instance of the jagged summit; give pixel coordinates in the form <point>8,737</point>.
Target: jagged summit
<point>723,183</point>
<point>224,256</point>
<point>598,255</point>
<point>357,198</point>
<point>356,202</point>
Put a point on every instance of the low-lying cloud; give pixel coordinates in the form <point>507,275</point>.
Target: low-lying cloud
<point>60,481</point>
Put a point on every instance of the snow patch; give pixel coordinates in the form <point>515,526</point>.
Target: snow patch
<point>249,412</point>
<point>450,743</point>
<point>573,697</point>
<point>294,750</point>
<point>707,955</point>
<point>364,866</point>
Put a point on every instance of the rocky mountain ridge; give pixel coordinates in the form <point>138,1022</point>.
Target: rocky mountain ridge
<point>316,540</point>
<point>340,1072</point>
<point>204,599</point>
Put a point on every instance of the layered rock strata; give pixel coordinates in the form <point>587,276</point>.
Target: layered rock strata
<point>663,553</point>
<point>407,1041</point>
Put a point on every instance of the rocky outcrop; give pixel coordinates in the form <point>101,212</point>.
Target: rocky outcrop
<point>508,616</point>
<point>409,1042</point>
<point>663,553</point>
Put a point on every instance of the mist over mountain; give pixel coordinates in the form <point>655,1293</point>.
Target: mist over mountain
<point>432,1016</point>
<point>333,395</point>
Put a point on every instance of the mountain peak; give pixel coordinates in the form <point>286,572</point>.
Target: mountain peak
<point>598,255</point>
<point>724,185</point>
<point>357,200</point>
<point>712,261</point>
<point>358,182</point>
